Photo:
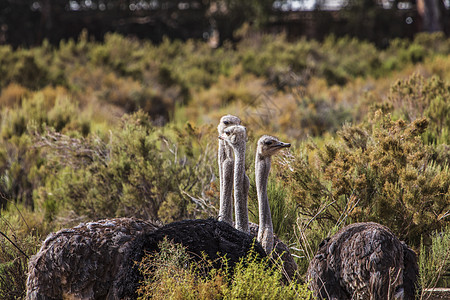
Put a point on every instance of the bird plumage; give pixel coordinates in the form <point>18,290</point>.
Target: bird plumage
<point>363,261</point>
<point>97,260</point>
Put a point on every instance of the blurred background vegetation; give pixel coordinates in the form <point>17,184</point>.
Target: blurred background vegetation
<point>96,125</point>
<point>30,22</point>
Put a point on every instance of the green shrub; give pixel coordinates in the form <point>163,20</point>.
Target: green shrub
<point>28,72</point>
<point>434,259</point>
<point>172,274</point>
<point>6,58</point>
<point>316,117</point>
<point>12,95</point>
<point>18,163</point>
<point>255,279</point>
<point>433,42</point>
<point>18,241</point>
<point>123,55</point>
<point>143,171</point>
<point>381,173</point>
<point>417,97</point>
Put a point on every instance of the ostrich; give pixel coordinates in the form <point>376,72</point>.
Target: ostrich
<point>236,137</point>
<point>97,260</point>
<point>363,261</point>
<point>267,146</point>
<point>89,261</point>
<point>226,171</point>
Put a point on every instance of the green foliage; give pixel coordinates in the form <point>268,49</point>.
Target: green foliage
<point>172,274</point>
<point>18,163</point>
<point>434,259</point>
<point>381,173</point>
<point>255,279</point>
<point>336,60</point>
<point>22,67</point>
<point>143,171</point>
<point>21,172</point>
<point>315,116</point>
<point>278,58</point>
<point>18,241</point>
<point>124,56</point>
<point>433,42</point>
<point>418,97</point>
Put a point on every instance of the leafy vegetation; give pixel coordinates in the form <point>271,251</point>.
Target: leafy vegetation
<point>433,263</point>
<point>124,177</point>
<point>92,130</point>
<point>382,173</point>
<point>172,274</point>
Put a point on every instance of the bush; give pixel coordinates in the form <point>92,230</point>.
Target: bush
<point>254,279</point>
<point>418,97</point>
<point>172,274</point>
<point>18,241</point>
<point>143,171</point>
<point>382,173</point>
<point>434,259</point>
<point>12,95</point>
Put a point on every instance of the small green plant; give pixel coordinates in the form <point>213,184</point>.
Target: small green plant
<point>434,259</point>
<point>173,274</point>
<point>18,241</point>
<point>262,279</point>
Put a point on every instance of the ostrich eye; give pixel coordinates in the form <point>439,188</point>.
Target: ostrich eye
<point>226,122</point>
<point>268,143</point>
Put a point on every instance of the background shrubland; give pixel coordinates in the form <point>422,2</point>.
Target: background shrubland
<point>92,130</point>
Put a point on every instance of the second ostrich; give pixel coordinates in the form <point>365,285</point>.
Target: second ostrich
<point>363,261</point>
<point>236,137</point>
<point>226,170</point>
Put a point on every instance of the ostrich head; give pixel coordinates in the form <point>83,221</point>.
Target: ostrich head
<point>227,121</point>
<point>235,135</point>
<point>269,145</point>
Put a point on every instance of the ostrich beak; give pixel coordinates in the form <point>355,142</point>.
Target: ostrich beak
<point>284,145</point>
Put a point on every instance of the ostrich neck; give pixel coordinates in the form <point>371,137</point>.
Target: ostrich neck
<point>228,151</point>
<point>262,168</point>
<point>240,197</point>
<point>226,165</point>
<point>221,157</point>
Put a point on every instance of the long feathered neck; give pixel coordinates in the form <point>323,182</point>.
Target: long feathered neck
<point>240,197</point>
<point>265,232</point>
<point>262,168</point>
<point>226,165</point>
